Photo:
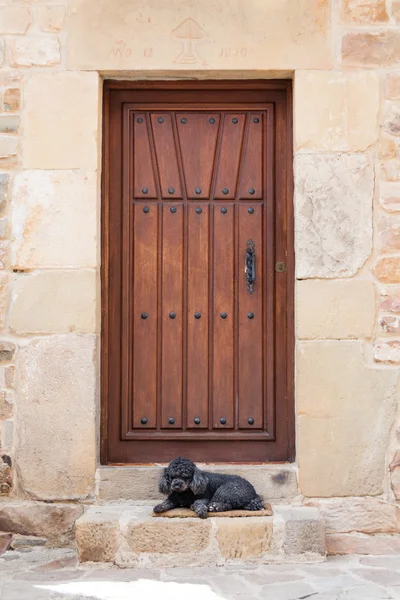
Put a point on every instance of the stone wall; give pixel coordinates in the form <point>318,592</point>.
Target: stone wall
<point>344,57</point>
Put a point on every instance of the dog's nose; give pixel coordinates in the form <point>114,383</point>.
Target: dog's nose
<point>176,485</point>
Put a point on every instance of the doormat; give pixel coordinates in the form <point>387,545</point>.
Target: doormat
<point>183,513</point>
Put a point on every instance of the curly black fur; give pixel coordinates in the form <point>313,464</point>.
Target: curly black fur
<point>204,492</point>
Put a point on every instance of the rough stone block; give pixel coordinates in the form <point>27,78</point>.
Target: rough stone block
<point>359,543</point>
<point>244,538</point>
<point>336,111</point>
<point>363,12</point>
<point>55,219</point>
<point>96,536</point>
<point>9,124</point>
<point>392,86</point>
<point>333,383</point>
<point>4,184</point>
<point>47,96</point>
<point>8,146</point>
<point>164,536</point>
<point>390,300</point>
<point>371,49</point>
<point>14,19</point>
<point>5,542</point>
<point>387,351</point>
<point>6,406</point>
<point>304,530</point>
<point>333,204</point>
<point>389,233</point>
<point>34,51</point>
<point>54,302</point>
<point>12,99</point>
<point>52,521</point>
<point>386,149</point>
<point>272,35</point>
<point>390,324</point>
<point>335,309</point>
<point>388,270</point>
<point>51,18</point>
<point>365,515</point>
<point>389,196</point>
<point>7,350</point>
<point>57,396</point>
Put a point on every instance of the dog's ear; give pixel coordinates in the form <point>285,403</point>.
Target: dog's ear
<point>163,483</point>
<point>199,482</point>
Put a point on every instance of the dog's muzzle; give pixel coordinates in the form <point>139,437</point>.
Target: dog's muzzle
<point>178,485</point>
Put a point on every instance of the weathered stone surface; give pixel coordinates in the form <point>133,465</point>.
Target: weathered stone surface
<point>392,121</point>
<point>386,149</point>
<point>164,536</point>
<point>51,18</point>
<point>396,10</point>
<point>371,49</point>
<point>365,515</point>
<point>390,324</point>
<point>12,99</point>
<point>387,351</point>
<point>304,530</point>
<point>389,233</point>
<point>1,52</point>
<point>56,395</point>
<point>333,204</point>
<point>359,543</point>
<point>14,19</point>
<point>390,170</point>
<point>96,536</point>
<point>7,350</point>
<point>27,541</point>
<point>388,270</point>
<point>8,146</point>
<point>185,513</point>
<point>271,36</point>
<point>51,521</point>
<point>244,538</point>
<point>9,124</point>
<point>332,384</point>
<point>47,96</point>
<point>34,51</point>
<point>6,406</point>
<point>5,542</point>
<point>275,483</point>
<point>364,11</point>
<point>336,111</point>
<point>3,296</point>
<point>54,302</point>
<point>389,196</point>
<point>4,183</point>
<point>395,482</point>
<point>335,309</point>
<point>55,222</point>
<point>392,87</point>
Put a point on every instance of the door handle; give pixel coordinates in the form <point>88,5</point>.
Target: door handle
<point>250,266</point>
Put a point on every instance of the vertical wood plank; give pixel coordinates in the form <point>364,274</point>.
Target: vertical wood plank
<point>197,358</point>
<point>223,334</point>
<point>172,326</point>
<point>229,155</point>
<point>166,153</point>
<point>250,339</point>
<point>144,185</point>
<point>145,259</point>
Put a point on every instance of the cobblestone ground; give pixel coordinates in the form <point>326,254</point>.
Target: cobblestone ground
<point>55,575</point>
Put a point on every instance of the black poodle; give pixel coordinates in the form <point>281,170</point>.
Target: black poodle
<point>204,492</point>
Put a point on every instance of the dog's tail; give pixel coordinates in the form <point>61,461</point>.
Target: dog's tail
<point>256,504</point>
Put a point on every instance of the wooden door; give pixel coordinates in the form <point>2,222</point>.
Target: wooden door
<point>197,348</point>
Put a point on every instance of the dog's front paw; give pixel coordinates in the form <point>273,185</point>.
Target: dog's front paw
<point>159,508</point>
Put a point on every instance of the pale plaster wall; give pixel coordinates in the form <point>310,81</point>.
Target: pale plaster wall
<point>344,57</point>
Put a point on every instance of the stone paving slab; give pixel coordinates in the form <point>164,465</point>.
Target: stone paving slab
<point>45,574</point>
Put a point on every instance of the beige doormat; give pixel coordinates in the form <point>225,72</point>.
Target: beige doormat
<point>183,513</point>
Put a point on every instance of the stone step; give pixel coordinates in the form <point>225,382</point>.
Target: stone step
<point>277,483</point>
<point>128,536</point>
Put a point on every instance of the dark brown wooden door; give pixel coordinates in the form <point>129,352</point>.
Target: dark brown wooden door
<point>197,270</point>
